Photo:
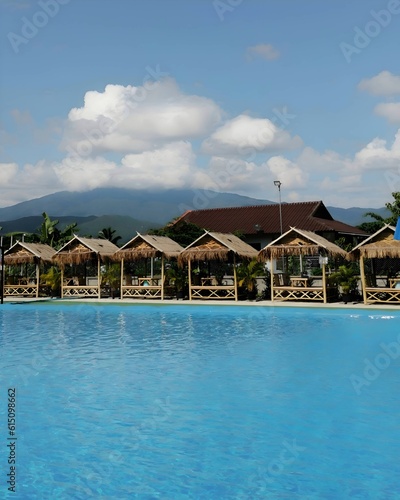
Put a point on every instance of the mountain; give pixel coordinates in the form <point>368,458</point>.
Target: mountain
<point>144,208</point>
<point>355,215</point>
<point>159,207</point>
<point>124,226</point>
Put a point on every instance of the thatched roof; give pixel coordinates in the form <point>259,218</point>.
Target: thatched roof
<point>379,245</point>
<point>300,242</point>
<point>148,245</point>
<point>80,250</point>
<point>23,253</point>
<point>217,246</point>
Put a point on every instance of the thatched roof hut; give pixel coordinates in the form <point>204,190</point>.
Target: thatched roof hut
<point>378,246</point>
<point>148,246</point>
<point>217,246</point>
<point>79,250</point>
<point>28,253</point>
<point>300,242</point>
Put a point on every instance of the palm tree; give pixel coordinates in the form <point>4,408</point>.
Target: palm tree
<point>50,234</point>
<point>247,276</point>
<point>48,231</point>
<point>394,208</point>
<point>107,233</point>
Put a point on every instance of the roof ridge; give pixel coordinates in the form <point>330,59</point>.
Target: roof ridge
<point>249,206</point>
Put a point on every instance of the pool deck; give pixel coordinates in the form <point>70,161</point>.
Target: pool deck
<point>245,303</point>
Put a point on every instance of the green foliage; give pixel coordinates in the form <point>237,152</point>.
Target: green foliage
<point>182,232</point>
<point>50,234</point>
<point>112,275</point>
<point>247,272</point>
<point>52,279</point>
<point>107,233</point>
<point>177,277</point>
<point>346,278</point>
<point>393,207</point>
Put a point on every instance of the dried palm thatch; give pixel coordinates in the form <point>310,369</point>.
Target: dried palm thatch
<point>146,246</point>
<point>217,246</point>
<point>300,242</point>
<point>79,250</point>
<point>379,245</point>
<point>28,253</point>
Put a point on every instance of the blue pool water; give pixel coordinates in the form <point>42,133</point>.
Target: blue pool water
<point>201,402</point>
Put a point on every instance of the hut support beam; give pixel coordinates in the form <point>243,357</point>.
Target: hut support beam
<point>37,279</point>
<point>162,276</point>
<point>324,281</point>
<point>272,280</point>
<point>122,279</point>
<point>62,282</point>
<point>190,278</point>
<point>363,281</point>
<point>235,277</point>
<point>98,276</point>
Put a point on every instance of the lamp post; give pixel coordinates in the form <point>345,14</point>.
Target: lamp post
<point>278,184</point>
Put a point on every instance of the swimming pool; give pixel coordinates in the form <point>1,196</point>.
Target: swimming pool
<point>182,402</point>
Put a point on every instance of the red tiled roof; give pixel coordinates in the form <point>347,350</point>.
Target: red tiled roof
<point>308,215</point>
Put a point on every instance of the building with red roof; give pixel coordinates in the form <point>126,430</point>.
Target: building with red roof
<point>261,224</point>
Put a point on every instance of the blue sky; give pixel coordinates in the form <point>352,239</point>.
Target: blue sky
<point>227,95</point>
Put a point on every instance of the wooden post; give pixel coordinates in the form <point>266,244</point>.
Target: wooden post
<point>37,279</point>
<point>363,281</point>
<point>62,281</point>
<point>235,277</point>
<point>272,279</point>
<point>98,276</point>
<point>162,277</point>
<point>122,279</point>
<point>190,278</point>
<point>324,281</point>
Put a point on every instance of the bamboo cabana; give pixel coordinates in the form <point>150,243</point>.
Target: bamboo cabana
<point>296,242</point>
<point>81,251</point>
<point>380,245</point>
<point>144,247</point>
<point>27,253</point>
<point>218,247</point>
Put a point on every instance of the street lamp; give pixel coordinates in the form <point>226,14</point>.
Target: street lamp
<point>278,184</point>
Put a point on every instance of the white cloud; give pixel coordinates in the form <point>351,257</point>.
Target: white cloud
<point>385,84</point>
<point>85,173</point>
<point>244,135</point>
<point>171,166</point>
<point>7,172</point>
<point>135,119</point>
<point>289,173</point>
<point>264,51</point>
<point>377,156</point>
<point>389,110</point>
<point>26,182</point>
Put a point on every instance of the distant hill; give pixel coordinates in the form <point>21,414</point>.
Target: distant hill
<point>146,209</point>
<point>355,215</point>
<point>159,207</point>
<point>124,226</point>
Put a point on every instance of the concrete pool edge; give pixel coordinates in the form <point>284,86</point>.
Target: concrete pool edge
<point>166,303</point>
